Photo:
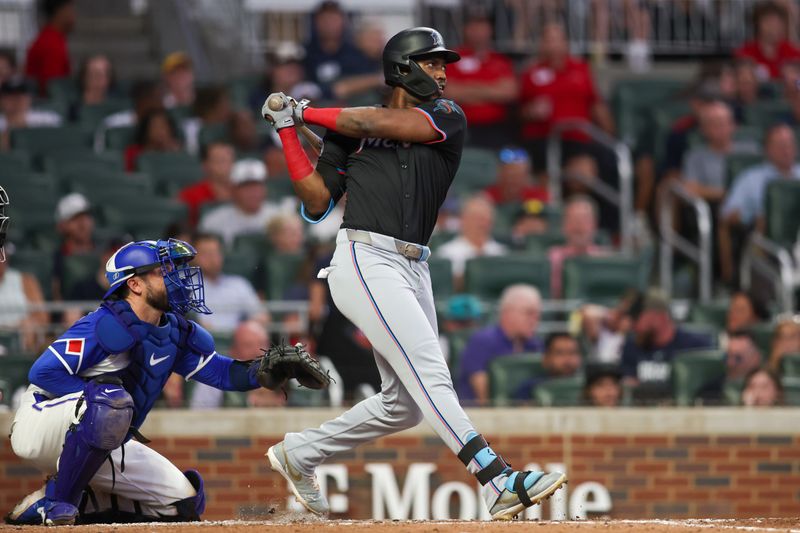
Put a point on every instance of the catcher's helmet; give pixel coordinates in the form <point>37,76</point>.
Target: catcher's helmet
<point>4,221</point>
<point>184,283</point>
<point>399,67</point>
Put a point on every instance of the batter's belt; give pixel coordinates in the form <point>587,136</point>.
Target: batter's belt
<point>409,250</point>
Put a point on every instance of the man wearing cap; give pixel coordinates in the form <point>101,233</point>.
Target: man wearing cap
<point>178,76</point>
<point>656,339</point>
<point>16,112</point>
<point>515,182</point>
<point>248,211</point>
<point>75,224</point>
<point>483,82</point>
<point>48,56</point>
<point>218,159</point>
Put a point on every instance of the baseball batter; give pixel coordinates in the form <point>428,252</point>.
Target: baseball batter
<point>396,165</point>
<point>93,387</point>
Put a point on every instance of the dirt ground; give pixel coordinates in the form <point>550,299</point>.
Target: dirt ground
<point>289,525</point>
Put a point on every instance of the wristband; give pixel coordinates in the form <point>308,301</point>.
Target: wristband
<point>296,159</point>
<point>325,117</point>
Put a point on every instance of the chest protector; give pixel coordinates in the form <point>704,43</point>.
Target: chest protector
<point>153,351</point>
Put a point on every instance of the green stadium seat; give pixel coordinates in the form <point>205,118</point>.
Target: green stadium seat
<point>693,371</point>
<point>632,99</point>
<point>41,141</point>
<point>78,268</point>
<point>278,189</point>
<point>13,375</point>
<point>738,163</point>
<point>281,273</point>
<point>36,262</point>
<point>108,187</point>
<point>92,115</point>
<point>476,171</point>
<point>749,134</point>
<point>539,244</point>
<point>243,263</point>
<point>63,161</point>
<point>487,277</point>
<point>441,270</point>
<point>508,373</point>
<point>147,217</point>
<point>602,279</point>
<point>16,161</point>
<point>456,342</point>
<point>64,90</point>
<point>791,391</point>
<point>26,190</point>
<point>241,88</point>
<point>782,210</point>
<point>255,243</point>
<point>439,238</point>
<point>562,392</point>
<point>120,138</point>
<point>764,113</point>
<point>763,336</point>
<point>10,340</point>
<point>663,118</point>
<point>171,171</point>
<point>790,365</point>
<point>212,133</point>
<point>713,313</point>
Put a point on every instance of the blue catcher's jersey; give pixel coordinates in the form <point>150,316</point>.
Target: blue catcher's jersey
<point>113,341</point>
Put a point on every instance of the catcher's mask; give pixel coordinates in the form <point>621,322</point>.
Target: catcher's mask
<point>184,283</point>
<point>4,222</point>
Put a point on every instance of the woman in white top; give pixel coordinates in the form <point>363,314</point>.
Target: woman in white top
<point>19,292</point>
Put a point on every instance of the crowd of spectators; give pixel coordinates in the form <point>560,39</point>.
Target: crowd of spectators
<point>253,248</point>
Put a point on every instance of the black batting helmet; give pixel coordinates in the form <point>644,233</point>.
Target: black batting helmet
<point>400,70</point>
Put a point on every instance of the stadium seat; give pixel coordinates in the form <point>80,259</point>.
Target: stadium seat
<point>632,99</point>
<point>92,115</point>
<point>603,279</point>
<point>763,336</point>
<point>64,90</point>
<point>782,210</point>
<point>738,163</point>
<point>790,365</point>
<point>212,133</point>
<point>41,141</point>
<point>78,268</point>
<point>507,374</point>
<point>791,391</point>
<point>243,263</point>
<point>476,171</point>
<point>663,118</point>
<point>146,218</point>
<point>562,392</point>
<point>441,270</point>
<point>539,244</point>
<point>487,277</point>
<point>241,88</point>
<point>13,375</point>
<point>119,138</point>
<point>171,171</point>
<point>255,243</point>
<point>281,273</point>
<point>16,161</point>
<point>713,313</point>
<point>440,237</point>
<point>36,262</point>
<point>456,342</point>
<point>108,187</point>
<point>764,113</point>
<point>78,161</point>
<point>693,371</point>
<point>278,189</point>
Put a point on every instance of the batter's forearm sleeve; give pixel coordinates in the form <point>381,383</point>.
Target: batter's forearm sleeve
<point>296,159</point>
<point>325,117</point>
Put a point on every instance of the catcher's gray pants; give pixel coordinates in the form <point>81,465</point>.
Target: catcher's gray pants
<point>389,298</point>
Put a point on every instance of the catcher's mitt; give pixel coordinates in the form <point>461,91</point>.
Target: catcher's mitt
<point>283,362</point>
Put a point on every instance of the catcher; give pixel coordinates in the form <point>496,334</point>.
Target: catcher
<point>92,388</point>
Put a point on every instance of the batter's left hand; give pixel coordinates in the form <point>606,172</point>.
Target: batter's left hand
<point>299,108</point>
<point>282,118</point>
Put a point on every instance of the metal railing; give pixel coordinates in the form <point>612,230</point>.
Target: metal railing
<point>621,198</point>
<point>671,197</point>
<point>773,262</point>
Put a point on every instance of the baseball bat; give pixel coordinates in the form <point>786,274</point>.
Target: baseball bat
<point>276,104</point>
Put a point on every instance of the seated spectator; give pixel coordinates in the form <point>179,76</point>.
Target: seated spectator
<point>19,292</point>
<point>743,207</point>
<point>475,239</point>
<point>762,388</point>
<point>91,289</point>
<point>248,340</point>
<point>330,54</point>
<point>463,313</point>
<point>531,219</point>
<point>742,355</point>
<point>156,132</point>
<point>75,225</point>
<point>48,55</point>
<point>285,74</point>
<point>580,230</point>
<point>244,135</point>
<point>95,84</point>
<point>16,112</point>
<point>744,311</point>
<point>655,339</point>
<point>212,106</point>
<point>483,83</point>
<point>785,340</point>
<point>370,39</point>
<point>561,359</point>
<point>771,47</point>
<point>262,397</point>
<point>177,74</point>
<point>146,96</point>
<point>286,234</point>
<point>248,211</point>
<point>515,182</point>
<point>218,159</point>
<point>705,166</point>
<point>231,299</point>
<point>603,387</point>
<point>558,87</point>
<point>519,310</point>
<point>604,330</point>
<point>748,89</point>
<point>8,65</point>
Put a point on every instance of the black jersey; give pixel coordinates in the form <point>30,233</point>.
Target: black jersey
<point>395,188</point>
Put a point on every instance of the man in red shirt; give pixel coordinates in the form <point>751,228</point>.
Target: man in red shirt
<point>218,159</point>
<point>48,56</point>
<point>482,83</point>
<point>514,182</point>
<point>770,48</point>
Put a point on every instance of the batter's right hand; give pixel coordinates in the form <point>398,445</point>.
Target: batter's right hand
<point>281,118</point>
<point>299,108</point>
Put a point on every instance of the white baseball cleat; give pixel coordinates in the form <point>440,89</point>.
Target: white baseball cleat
<point>511,502</point>
<point>305,488</point>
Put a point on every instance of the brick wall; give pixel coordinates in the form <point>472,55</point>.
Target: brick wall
<point>647,475</point>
